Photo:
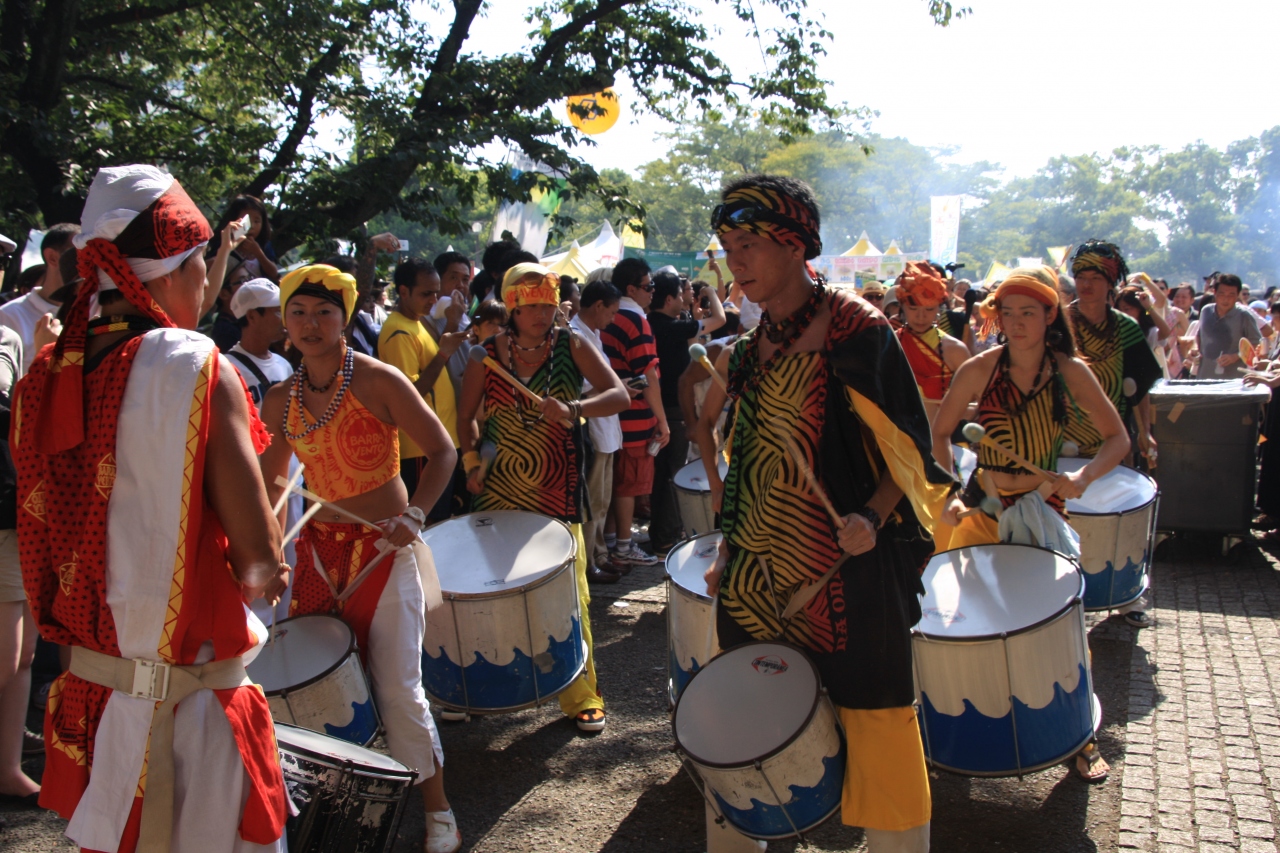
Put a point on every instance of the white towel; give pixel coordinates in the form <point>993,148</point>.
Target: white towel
<point>1031,521</point>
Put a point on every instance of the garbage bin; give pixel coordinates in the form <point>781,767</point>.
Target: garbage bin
<point>1207,433</point>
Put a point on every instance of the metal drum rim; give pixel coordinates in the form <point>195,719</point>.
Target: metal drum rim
<point>1136,509</point>
<point>479,596</point>
<point>986,638</point>
<point>352,648</point>
<point>507,709</point>
<point>407,773</point>
<point>818,697</point>
<point>1146,585</point>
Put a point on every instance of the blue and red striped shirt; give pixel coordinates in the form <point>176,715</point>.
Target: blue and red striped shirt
<point>629,346</point>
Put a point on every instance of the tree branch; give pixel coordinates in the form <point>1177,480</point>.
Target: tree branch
<point>136,14</point>
<point>561,37</point>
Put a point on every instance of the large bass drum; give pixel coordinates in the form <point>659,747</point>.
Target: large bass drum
<point>509,634</point>
<point>1002,662</point>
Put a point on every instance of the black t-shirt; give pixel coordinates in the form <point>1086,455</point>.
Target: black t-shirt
<point>671,337</point>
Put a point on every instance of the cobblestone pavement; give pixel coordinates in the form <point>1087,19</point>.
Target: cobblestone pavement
<point>1203,737</point>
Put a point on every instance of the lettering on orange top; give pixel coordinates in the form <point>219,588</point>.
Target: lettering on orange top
<point>352,454</point>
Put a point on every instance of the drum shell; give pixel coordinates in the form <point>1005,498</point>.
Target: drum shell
<point>808,768</point>
<point>341,805</point>
<point>691,630</point>
<point>497,631</point>
<point>1115,554</point>
<point>1009,703</point>
<point>318,704</point>
<point>693,498</point>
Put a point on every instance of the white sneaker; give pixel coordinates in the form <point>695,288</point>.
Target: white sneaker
<point>442,833</point>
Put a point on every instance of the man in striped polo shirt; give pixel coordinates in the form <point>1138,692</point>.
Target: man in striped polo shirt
<point>628,342</point>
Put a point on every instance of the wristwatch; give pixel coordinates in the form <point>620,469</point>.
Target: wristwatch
<point>872,516</point>
<point>416,513</point>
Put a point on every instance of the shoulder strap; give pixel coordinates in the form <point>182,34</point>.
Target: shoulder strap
<point>253,368</point>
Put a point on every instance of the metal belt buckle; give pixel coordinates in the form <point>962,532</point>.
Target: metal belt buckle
<point>150,680</point>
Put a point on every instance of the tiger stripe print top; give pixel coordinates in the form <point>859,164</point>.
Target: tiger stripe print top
<point>1115,350</point>
<point>538,467</point>
<point>1023,423</point>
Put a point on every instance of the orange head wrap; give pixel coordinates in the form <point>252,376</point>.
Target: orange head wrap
<point>920,285</point>
<point>530,284</point>
<point>1027,281</point>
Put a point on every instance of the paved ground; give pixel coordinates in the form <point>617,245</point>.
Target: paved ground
<point>1190,728</point>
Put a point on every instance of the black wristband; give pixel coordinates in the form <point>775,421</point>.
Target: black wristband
<point>872,516</point>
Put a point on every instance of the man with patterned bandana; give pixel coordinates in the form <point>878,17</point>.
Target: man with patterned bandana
<point>143,528</point>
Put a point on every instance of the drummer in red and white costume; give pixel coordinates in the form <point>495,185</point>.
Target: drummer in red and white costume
<point>934,356</point>
<point>144,526</point>
<point>352,457</point>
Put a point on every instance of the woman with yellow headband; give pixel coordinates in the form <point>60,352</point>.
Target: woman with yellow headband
<point>1025,389</point>
<point>341,415</point>
<point>538,466</point>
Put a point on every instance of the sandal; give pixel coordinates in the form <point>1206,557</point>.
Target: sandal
<point>590,720</point>
<point>1090,765</point>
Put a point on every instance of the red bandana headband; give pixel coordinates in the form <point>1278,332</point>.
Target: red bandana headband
<point>170,226</point>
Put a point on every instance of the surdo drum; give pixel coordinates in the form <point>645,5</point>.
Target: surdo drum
<point>1116,520</point>
<point>312,678</point>
<point>761,734</point>
<point>1001,661</point>
<point>691,629</point>
<point>509,634</point>
<point>348,798</point>
<point>693,496</point>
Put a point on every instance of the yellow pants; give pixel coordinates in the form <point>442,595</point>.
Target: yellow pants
<point>582,695</point>
<point>886,783</point>
<point>976,529</point>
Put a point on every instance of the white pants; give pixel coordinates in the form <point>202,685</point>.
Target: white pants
<point>395,668</point>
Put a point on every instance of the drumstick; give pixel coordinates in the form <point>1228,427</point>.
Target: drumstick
<point>294,478</point>
<point>488,452</point>
<point>699,354</point>
<point>306,516</point>
<point>977,435</point>
<point>809,476</point>
<point>319,501</point>
<point>479,356</point>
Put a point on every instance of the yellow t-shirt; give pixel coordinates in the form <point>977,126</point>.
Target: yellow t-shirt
<point>407,346</point>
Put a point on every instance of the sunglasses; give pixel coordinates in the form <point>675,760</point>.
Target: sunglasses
<point>874,297</point>
<point>648,288</point>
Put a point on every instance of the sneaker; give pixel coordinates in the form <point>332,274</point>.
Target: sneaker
<point>442,833</point>
<point>455,716</point>
<point>590,720</point>
<point>1139,619</point>
<point>633,556</point>
<point>32,743</point>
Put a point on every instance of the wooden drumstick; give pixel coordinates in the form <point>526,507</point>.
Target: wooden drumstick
<point>809,476</point>
<point>293,480</point>
<point>977,435</point>
<point>313,497</point>
<point>479,356</point>
<point>699,354</point>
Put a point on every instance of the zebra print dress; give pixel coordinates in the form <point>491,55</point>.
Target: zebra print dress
<point>1114,351</point>
<point>538,467</point>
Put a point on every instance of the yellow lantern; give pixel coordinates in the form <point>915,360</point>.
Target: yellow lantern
<point>604,107</point>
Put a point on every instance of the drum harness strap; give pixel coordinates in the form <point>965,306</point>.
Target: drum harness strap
<point>166,684</point>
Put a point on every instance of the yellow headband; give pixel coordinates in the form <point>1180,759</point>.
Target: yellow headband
<point>530,284</point>
<point>1028,281</point>
<point>330,278</point>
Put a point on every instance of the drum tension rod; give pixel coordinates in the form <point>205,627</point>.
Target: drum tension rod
<point>785,813</point>
<point>1013,708</point>
<point>698,784</point>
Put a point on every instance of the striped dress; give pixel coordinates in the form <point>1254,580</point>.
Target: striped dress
<point>1114,351</point>
<point>538,467</point>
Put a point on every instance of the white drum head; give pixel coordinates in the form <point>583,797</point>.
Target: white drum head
<point>693,477</point>
<point>992,589</point>
<point>1120,490</point>
<point>488,552</point>
<point>689,561</point>
<point>305,648</point>
<point>304,741</point>
<point>746,704</point>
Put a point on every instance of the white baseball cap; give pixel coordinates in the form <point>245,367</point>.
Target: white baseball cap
<point>6,245</point>
<point>255,293</point>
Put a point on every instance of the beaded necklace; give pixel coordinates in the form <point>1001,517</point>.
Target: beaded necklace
<point>525,420</point>
<point>295,394</point>
<point>751,372</point>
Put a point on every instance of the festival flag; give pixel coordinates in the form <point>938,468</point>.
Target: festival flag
<point>530,222</point>
<point>944,232</point>
<point>632,236</point>
<point>1058,254</point>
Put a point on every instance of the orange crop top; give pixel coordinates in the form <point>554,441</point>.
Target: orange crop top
<point>352,454</point>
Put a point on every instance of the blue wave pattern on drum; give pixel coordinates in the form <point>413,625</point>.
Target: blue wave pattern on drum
<point>807,807</point>
<point>1098,591</point>
<point>681,677</point>
<point>361,729</point>
<point>492,686</point>
<point>981,744</point>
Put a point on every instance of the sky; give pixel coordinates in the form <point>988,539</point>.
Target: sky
<point>1015,82</point>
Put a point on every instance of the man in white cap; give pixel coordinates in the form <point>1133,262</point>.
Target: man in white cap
<point>31,315</point>
<point>143,526</point>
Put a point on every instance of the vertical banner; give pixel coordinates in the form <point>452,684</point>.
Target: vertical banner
<point>944,232</point>
<point>529,222</point>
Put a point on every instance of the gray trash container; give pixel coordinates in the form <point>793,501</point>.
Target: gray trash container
<point>1207,432</point>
